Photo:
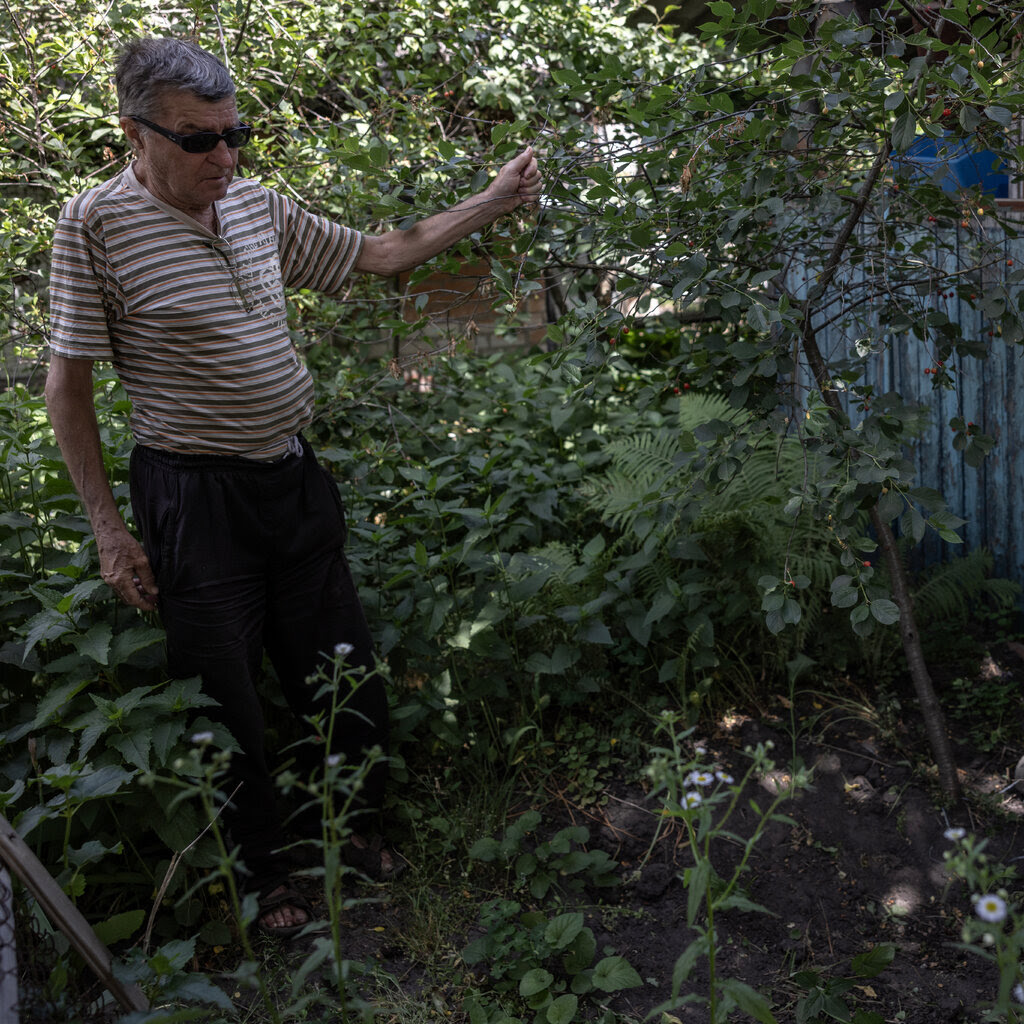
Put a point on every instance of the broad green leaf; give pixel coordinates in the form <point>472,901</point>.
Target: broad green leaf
<point>119,927</point>
<point>1000,115</point>
<point>535,981</point>
<point>614,973</point>
<point>562,930</point>
<point>563,1009</point>
<point>884,611</point>
<point>904,131</point>
<point>134,747</point>
<point>580,953</point>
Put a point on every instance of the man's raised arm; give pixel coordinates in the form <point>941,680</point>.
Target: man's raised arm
<point>518,182</point>
<point>69,401</point>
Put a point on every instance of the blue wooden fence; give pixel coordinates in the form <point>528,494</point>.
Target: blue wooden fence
<point>989,393</point>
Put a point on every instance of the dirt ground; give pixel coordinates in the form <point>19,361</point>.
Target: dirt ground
<point>862,864</point>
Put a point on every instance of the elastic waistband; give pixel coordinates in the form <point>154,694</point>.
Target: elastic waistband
<point>298,446</point>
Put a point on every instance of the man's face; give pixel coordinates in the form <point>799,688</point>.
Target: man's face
<point>191,182</point>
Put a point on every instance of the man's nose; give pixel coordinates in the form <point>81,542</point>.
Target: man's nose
<point>223,156</point>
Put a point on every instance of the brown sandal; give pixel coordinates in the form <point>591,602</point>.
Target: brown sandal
<point>282,895</point>
<point>378,862</point>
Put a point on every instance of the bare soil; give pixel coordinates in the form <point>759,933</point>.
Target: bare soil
<point>861,864</point>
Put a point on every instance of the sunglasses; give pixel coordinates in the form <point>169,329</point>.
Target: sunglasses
<point>201,142</point>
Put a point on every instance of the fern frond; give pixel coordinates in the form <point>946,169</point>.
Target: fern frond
<point>949,590</point>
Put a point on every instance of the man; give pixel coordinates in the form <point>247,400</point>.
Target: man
<point>175,272</point>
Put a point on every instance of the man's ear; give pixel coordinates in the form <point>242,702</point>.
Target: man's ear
<point>132,133</point>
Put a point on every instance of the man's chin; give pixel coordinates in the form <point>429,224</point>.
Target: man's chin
<point>218,187</point>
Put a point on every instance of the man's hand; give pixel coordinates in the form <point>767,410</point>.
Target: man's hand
<point>518,182</point>
<point>123,563</point>
<point>126,569</point>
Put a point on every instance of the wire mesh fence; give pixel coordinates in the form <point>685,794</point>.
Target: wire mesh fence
<point>8,952</point>
<point>41,981</point>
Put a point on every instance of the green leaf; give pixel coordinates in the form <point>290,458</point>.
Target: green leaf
<point>890,505</point>
<point>535,981</point>
<point>885,611</point>
<point>614,973</point>
<point>697,880</point>
<point>904,131</point>
<point>844,597</point>
<point>568,77</point>
<point>119,927</point>
<point>105,781</point>
<point>580,954</point>
<point>874,961</point>
<point>748,999</point>
<point>757,317</point>
<point>686,962</point>
<point>134,747</point>
<point>199,989</point>
<point>562,930</point>
<point>1000,115</point>
<point>487,850</point>
<point>563,1009</point>
<point>131,641</point>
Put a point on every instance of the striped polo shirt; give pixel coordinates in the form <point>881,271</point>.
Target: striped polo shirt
<point>195,323</point>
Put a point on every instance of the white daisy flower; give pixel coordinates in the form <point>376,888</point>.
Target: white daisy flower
<point>1018,993</point>
<point>725,777</point>
<point>990,908</point>
<point>333,760</point>
<point>955,833</point>
<point>343,650</point>
<point>691,800</point>
<point>700,778</point>
<point>200,739</point>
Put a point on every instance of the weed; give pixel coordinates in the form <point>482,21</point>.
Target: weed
<point>826,999</point>
<point>984,710</point>
<point>560,862</point>
<point>995,929</point>
<point>548,962</point>
<point>691,792</point>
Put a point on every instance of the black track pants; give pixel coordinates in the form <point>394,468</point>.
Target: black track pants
<point>249,557</point>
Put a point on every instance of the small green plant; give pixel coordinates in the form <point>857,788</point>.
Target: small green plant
<point>702,799</point>
<point>994,929</point>
<point>561,861</point>
<point>983,710</point>
<point>547,962</point>
<point>826,998</point>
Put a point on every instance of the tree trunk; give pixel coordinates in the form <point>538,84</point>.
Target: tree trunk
<point>931,710</point>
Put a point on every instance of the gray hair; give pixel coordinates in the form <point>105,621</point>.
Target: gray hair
<point>147,68</point>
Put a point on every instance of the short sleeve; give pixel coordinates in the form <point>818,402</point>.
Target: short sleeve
<point>315,252</point>
<point>80,300</point>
